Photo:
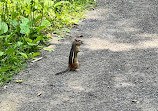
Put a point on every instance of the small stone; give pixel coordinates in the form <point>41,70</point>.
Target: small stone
<point>5,87</point>
<point>74,25</point>
<point>39,94</point>
<point>134,101</point>
<point>79,35</point>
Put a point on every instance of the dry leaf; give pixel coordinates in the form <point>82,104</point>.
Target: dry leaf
<point>37,59</point>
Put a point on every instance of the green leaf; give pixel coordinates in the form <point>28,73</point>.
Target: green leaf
<point>48,49</point>
<point>36,54</point>
<point>14,23</point>
<point>28,1</point>
<point>19,43</point>
<point>2,0</point>
<point>10,50</point>
<point>61,3</point>
<point>28,40</point>
<point>40,28</point>
<point>25,20</point>
<point>2,36</point>
<point>45,23</point>
<point>3,28</point>
<point>3,69</point>
<point>25,29</point>
<point>38,18</point>
<point>32,44</point>
<point>37,39</point>
<point>1,53</point>
<point>24,55</point>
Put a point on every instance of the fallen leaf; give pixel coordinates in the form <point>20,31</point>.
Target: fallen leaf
<point>19,81</point>
<point>48,49</point>
<point>37,59</point>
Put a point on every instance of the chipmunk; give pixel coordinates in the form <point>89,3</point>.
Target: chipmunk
<point>73,62</point>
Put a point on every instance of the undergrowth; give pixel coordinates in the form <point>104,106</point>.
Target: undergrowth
<point>24,25</point>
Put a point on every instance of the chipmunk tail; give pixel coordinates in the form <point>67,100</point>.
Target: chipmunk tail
<point>62,72</point>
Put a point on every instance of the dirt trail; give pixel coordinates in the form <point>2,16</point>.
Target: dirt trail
<point>118,65</point>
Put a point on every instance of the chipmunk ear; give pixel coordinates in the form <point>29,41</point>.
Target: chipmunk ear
<point>76,40</point>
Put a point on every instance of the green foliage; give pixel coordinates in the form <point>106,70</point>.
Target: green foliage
<point>3,28</point>
<point>24,25</point>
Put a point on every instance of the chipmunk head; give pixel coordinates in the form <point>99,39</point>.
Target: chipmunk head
<point>78,42</point>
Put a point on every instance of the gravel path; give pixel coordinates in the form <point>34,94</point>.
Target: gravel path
<point>118,65</point>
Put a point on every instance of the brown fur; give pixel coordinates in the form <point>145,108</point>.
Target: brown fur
<point>73,62</point>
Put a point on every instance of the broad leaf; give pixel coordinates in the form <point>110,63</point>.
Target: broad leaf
<point>14,23</point>
<point>25,29</point>
<point>25,20</point>
<point>1,53</point>
<point>3,28</point>
<point>45,23</point>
